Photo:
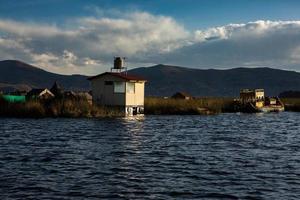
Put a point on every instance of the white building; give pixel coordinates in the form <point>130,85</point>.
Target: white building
<point>118,89</point>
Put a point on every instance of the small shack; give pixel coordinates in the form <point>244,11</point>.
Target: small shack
<point>119,89</point>
<point>182,95</point>
<point>40,94</point>
<point>271,100</point>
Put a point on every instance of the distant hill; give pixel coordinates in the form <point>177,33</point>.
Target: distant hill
<point>163,80</point>
<point>19,75</point>
<point>290,94</point>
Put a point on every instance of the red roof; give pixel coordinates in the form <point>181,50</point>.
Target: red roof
<point>122,75</point>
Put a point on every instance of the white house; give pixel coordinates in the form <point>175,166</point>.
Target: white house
<point>120,90</point>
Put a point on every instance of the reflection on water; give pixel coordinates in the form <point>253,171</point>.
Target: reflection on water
<point>228,156</point>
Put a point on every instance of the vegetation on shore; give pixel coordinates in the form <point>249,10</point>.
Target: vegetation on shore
<point>55,108</point>
<point>196,106</point>
<point>81,108</point>
<point>291,104</point>
<point>210,105</point>
<point>153,106</point>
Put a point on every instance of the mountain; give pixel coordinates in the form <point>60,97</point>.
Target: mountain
<point>290,94</point>
<point>19,75</point>
<point>164,80</point>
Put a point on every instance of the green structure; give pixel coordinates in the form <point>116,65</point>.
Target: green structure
<point>14,98</point>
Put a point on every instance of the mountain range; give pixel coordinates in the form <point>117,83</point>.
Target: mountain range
<point>166,80</point>
<point>163,80</point>
<point>19,75</point>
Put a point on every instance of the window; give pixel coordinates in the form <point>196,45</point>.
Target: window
<point>130,87</point>
<point>119,87</point>
<point>108,83</point>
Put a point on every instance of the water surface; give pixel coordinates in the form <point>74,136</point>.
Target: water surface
<point>227,156</point>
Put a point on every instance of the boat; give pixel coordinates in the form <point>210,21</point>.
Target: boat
<point>253,101</point>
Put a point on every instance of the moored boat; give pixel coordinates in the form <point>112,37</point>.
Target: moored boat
<point>252,101</point>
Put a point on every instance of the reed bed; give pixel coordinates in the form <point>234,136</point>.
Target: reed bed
<point>56,108</point>
<point>75,108</point>
<point>196,106</point>
<point>291,104</point>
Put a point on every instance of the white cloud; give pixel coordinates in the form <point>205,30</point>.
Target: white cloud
<point>254,44</point>
<point>69,57</point>
<point>89,61</point>
<point>87,45</point>
<point>135,35</point>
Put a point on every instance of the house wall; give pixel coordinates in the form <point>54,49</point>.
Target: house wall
<point>259,94</point>
<point>136,98</point>
<point>104,94</point>
<point>252,95</point>
<point>272,101</point>
<point>131,101</point>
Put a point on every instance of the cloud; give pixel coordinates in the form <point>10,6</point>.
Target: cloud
<point>254,44</point>
<point>89,40</point>
<point>87,45</point>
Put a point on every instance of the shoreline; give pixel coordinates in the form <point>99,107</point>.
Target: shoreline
<point>66,108</point>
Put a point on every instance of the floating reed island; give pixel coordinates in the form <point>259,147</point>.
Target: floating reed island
<point>206,105</point>
<point>291,104</point>
<point>76,108</point>
<point>80,108</point>
<point>54,102</point>
<point>193,106</point>
<point>40,103</point>
<point>69,108</point>
<point>118,93</point>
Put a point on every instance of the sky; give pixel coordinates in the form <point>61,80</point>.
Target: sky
<point>83,36</point>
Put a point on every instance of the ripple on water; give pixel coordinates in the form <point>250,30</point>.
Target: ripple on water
<point>228,156</point>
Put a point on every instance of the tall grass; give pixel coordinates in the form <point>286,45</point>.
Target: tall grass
<point>81,108</point>
<point>154,105</point>
<point>29,109</point>
<point>56,108</point>
<point>291,104</point>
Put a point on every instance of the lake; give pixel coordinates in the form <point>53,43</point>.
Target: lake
<point>226,156</point>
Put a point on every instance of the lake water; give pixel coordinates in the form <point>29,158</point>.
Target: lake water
<point>227,156</point>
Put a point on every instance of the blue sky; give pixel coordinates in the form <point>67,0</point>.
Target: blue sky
<point>82,36</point>
<point>192,13</point>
